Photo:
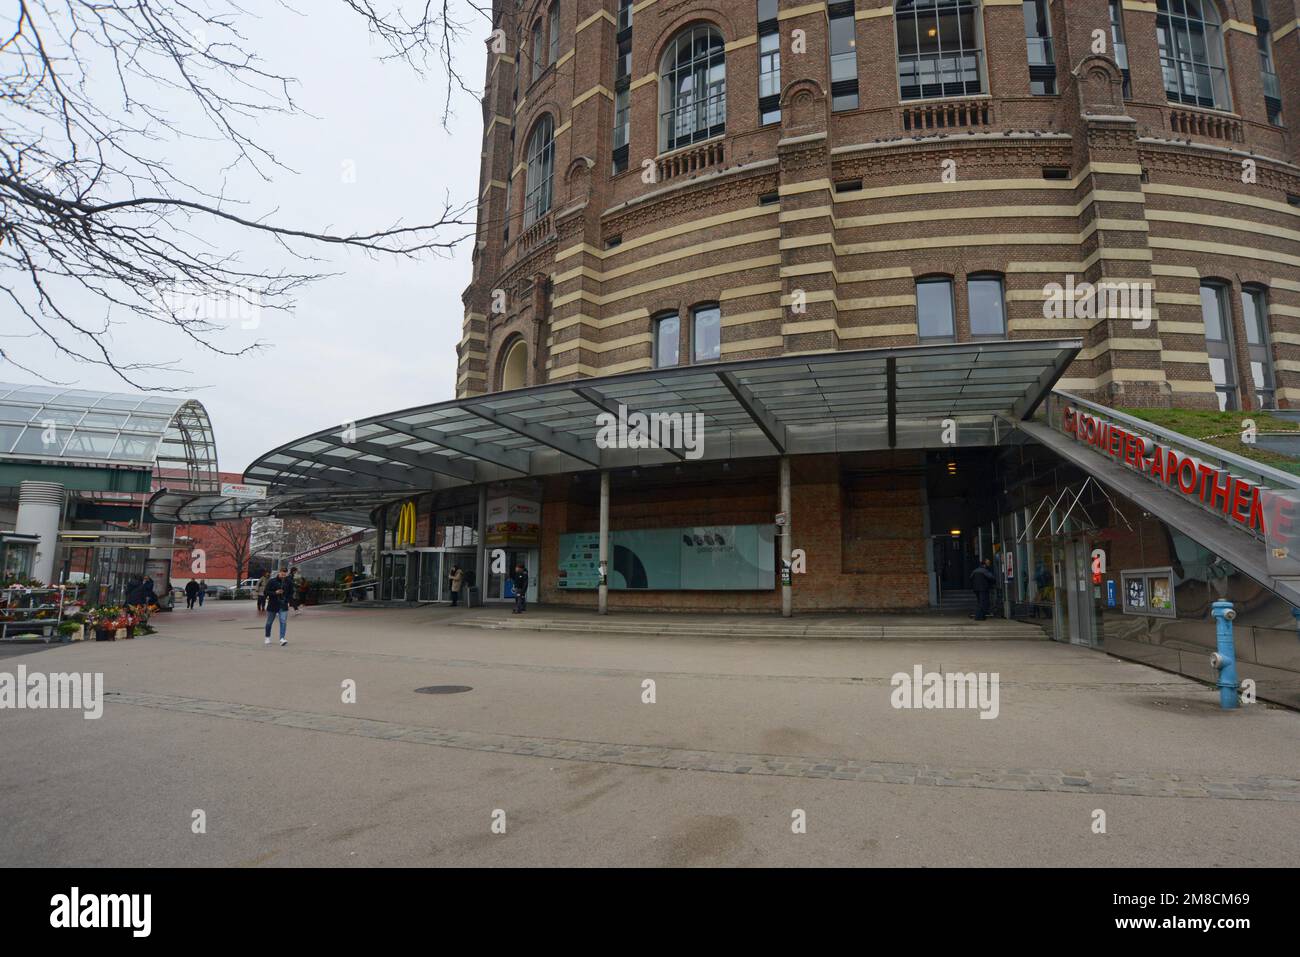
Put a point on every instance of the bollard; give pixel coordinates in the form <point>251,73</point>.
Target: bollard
<point>1226,659</point>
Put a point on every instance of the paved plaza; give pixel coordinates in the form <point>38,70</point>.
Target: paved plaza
<point>556,745</point>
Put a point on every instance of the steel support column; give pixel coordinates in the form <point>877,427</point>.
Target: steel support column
<point>786,532</point>
<point>602,593</point>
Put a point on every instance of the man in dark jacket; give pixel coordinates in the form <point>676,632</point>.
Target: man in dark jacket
<point>982,580</point>
<point>191,593</point>
<point>279,596</point>
<point>519,582</point>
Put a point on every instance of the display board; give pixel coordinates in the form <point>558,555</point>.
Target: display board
<point>695,558</point>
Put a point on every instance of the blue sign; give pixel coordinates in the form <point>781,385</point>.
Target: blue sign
<point>1110,593</point>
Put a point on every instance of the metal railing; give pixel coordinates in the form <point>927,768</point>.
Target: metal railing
<point>1246,468</point>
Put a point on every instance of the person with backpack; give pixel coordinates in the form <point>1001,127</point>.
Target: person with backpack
<point>279,597</point>
<point>983,580</point>
<point>519,582</point>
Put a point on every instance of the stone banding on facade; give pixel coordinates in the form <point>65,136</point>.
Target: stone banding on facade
<point>811,233</point>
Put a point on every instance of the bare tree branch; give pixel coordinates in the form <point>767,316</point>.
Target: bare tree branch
<point>94,210</point>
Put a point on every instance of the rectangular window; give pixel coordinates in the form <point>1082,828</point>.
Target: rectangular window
<point>1254,305</point>
<point>622,118</point>
<point>624,15</point>
<point>554,30</point>
<point>1218,343</point>
<point>940,48</point>
<point>987,303</point>
<point>1191,55</point>
<point>769,75</point>
<point>623,97</point>
<point>844,57</point>
<point>1042,58</point>
<point>706,334</point>
<point>1267,69</point>
<point>1121,45</point>
<point>539,51</point>
<point>934,318</point>
<point>668,336</point>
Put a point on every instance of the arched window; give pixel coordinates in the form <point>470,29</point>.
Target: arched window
<point>934,311</point>
<point>706,333</point>
<point>1254,307</point>
<point>692,88</point>
<point>1217,315</point>
<point>514,367</point>
<point>1190,33</point>
<point>986,305</point>
<point>668,337</point>
<point>541,170</point>
<point>539,50</point>
<point>940,48</point>
<point>554,28</point>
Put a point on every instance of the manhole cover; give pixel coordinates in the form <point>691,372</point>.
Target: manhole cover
<point>443,689</point>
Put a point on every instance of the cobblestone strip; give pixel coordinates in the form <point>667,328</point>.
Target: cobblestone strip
<point>1165,686</point>
<point>1164,784</point>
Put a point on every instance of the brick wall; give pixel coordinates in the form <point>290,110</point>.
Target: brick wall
<point>875,562</point>
<point>1144,200</point>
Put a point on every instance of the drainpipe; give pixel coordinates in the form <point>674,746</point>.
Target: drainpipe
<point>1225,659</point>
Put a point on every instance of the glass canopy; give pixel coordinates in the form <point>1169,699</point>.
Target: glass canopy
<point>844,401</point>
<point>63,426</point>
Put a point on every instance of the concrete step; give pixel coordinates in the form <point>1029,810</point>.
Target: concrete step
<point>912,629</point>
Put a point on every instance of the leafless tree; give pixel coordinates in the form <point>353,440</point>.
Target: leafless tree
<point>232,541</point>
<point>93,210</point>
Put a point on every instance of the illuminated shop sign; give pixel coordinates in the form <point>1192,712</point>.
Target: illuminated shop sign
<point>1236,499</point>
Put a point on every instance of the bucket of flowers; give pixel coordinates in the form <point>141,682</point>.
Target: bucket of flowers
<point>110,622</point>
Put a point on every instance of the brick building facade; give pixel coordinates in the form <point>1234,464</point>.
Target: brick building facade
<point>669,184</point>
<point>811,231</point>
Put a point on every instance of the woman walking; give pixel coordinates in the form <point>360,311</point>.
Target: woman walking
<point>457,580</point>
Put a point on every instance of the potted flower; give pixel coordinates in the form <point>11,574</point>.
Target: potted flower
<point>70,630</point>
<point>105,621</point>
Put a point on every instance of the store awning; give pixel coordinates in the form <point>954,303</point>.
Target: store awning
<point>846,401</point>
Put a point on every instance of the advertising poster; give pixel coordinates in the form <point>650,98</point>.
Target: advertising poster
<point>513,521</point>
<point>700,558</point>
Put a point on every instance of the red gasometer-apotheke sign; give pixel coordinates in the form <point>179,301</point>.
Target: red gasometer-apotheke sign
<point>1237,499</point>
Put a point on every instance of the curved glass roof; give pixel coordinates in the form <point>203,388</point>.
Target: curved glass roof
<point>77,427</point>
<point>843,401</point>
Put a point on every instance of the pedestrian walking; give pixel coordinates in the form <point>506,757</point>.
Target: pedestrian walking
<point>203,590</point>
<point>299,588</point>
<point>519,582</point>
<point>457,581</point>
<point>191,593</point>
<point>982,580</point>
<point>261,590</point>
<point>279,596</point>
<point>347,588</point>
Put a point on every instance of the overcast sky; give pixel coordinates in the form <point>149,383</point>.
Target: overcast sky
<point>380,335</point>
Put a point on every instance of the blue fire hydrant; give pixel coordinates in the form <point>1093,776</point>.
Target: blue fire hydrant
<point>1225,660</point>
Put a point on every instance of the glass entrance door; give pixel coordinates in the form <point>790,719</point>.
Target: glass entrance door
<point>500,587</point>
<point>430,576</point>
<point>394,582</point>
<point>1081,612</point>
